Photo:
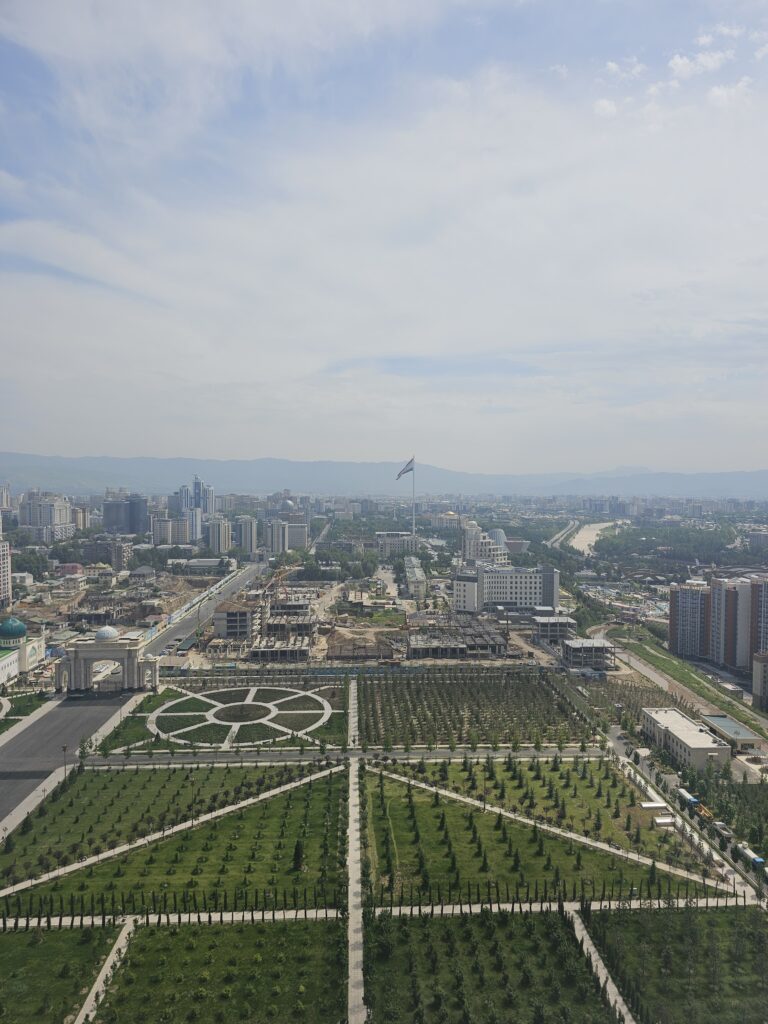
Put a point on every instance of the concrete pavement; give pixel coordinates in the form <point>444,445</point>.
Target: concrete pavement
<point>356,1013</point>
<point>31,755</point>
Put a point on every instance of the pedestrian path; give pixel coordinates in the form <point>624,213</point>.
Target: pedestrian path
<point>352,715</point>
<point>109,966</point>
<point>596,844</point>
<point>614,997</point>
<point>356,1013</point>
<point>173,830</point>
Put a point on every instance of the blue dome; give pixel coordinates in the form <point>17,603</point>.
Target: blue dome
<point>12,629</point>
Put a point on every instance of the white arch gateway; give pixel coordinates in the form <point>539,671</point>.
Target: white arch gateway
<point>74,673</point>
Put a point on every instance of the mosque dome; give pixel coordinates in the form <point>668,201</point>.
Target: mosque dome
<point>107,633</point>
<point>12,630</point>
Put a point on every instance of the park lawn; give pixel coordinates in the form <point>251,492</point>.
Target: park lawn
<point>301,702</point>
<point>234,696</point>
<point>334,731</point>
<point>95,810</point>
<point>45,976</point>
<point>464,706</point>
<point>170,723</point>
<point>568,794</point>
<point>687,965</point>
<point>446,849</point>
<point>209,733</point>
<point>156,700</point>
<point>492,968</point>
<point>190,704</point>
<point>252,972</point>
<point>334,693</point>
<point>251,849</point>
<point>26,703</point>
<point>7,723</point>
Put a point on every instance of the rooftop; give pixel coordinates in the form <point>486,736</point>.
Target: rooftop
<point>730,727</point>
<point>684,728</point>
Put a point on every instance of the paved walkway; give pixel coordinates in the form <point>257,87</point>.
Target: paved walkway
<point>596,844</point>
<point>356,1013</point>
<point>615,999</point>
<point>99,986</point>
<point>352,714</point>
<point>170,919</point>
<point>167,833</point>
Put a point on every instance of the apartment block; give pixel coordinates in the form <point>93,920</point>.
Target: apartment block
<point>690,609</point>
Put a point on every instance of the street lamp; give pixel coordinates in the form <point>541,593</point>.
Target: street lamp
<point>64,750</point>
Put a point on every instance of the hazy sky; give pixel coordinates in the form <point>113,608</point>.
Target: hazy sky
<point>503,235</point>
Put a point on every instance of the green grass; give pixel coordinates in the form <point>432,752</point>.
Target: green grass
<point>301,702</point>
<point>7,723</point>
<point>97,810</point>
<point>564,793</point>
<point>252,849</point>
<point>26,703</point>
<point>488,968</point>
<point>170,723</point>
<point>227,696</point>
<point>46,975</point>
<point>293,971</point>
<point>297,721</point>
<point>208,733</point>
<point>191,704</point>
<point>156,700</point>
<point>684,966</point>
<point>443,848</point>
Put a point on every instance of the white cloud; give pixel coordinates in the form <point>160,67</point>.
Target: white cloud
<point>705,40</point>
<point>703,62</point>
<point>628,69</point>
<point>730,95</point>
<point>561,70</point>
<point>605,108</point>
<point>761,52</point>
<point>729,31</point>
<point>145,75</point>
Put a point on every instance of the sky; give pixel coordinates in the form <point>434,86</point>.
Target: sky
<point>505,236</point>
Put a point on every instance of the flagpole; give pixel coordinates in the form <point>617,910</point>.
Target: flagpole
<point>413,500</point>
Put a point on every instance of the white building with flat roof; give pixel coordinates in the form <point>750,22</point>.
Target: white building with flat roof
<point>688,742</point>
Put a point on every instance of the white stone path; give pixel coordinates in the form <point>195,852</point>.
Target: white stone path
<point>356,1013</point>
<point>104,976</point>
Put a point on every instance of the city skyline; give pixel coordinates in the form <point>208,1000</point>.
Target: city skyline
<point>409,225</point>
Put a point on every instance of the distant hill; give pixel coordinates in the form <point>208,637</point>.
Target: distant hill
<point>91,474</point>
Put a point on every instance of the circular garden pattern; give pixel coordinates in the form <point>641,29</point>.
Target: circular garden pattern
<point>242,716</point>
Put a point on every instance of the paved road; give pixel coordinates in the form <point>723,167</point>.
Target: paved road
<point>32,755</point>
<point>203,612</point>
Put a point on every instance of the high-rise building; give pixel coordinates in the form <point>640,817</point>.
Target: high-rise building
<point>760,681</point>
<point>219,536</point>
<point>116,516</point>
<point>185,498</point>
<point>246,530</point>
<point>5,574</point>
<point>731,623</point>
<point>138,516</point>
<point>5,495</point>
<point>689,619</point>
<point>208,500</point>
<point>197,492</point>
<point>47,516</point>
<point>194,517</point>
<point>759,615</point>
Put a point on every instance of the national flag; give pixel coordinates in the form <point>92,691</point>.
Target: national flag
<point>407,468</point>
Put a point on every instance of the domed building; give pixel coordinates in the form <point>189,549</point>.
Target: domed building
<point>19,652</point>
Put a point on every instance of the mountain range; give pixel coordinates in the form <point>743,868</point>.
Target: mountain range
<point>92,474</point>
